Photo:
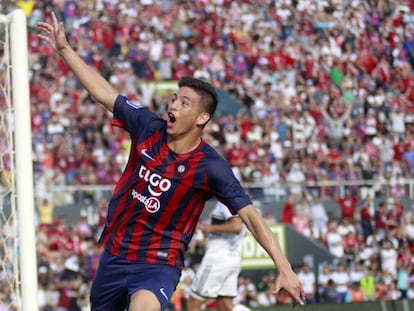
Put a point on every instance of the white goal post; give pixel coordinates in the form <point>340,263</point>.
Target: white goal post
<point>17,193</point>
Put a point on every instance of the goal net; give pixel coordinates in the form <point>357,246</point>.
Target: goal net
<point>18,271</point>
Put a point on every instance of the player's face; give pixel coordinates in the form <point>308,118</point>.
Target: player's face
<point>184,112</point>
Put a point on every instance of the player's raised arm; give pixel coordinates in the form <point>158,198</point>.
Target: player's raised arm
<point>233,225</point>
<point>286,279</point>
<point>94,83</point>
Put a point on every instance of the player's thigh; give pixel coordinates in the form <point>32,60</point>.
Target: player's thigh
<point>194,304</point>
<point>225,303</point>
<point>150,282</point>
<point>108,290</point>
<point>144,300</point>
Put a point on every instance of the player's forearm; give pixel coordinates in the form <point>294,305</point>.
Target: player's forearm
<point>91,80</point>
<point>233,226</point>
<point>268,241</point>
<point>262,233</point>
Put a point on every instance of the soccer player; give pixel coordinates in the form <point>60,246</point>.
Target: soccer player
<point>170,174</point>
<point>221,264</point>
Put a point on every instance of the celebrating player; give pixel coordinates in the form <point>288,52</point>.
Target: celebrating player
<point>156,204</point>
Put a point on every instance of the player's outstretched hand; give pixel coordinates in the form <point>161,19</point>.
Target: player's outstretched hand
<point>289,281</point>
<point>53,34</point>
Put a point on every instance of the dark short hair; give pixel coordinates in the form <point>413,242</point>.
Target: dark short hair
<point>208,93</point>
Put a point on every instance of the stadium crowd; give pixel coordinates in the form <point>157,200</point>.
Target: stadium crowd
<point>326,89</point>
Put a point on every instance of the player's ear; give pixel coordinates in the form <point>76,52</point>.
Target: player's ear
<point>203,118</point>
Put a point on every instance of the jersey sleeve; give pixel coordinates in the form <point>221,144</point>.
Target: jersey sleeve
<point>132,117</point>
<point>226,187</point>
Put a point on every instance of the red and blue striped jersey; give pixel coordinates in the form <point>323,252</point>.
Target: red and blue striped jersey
<point>159,198</point>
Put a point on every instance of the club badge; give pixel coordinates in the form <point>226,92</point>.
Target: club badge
<point>182,168</point>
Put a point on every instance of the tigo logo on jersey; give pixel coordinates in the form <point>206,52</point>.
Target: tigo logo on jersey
<point>155,181</point>
<point>157,185</point>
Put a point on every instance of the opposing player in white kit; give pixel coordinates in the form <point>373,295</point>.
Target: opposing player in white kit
<point>217,275</point>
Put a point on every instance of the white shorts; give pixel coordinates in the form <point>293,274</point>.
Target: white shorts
<point>216,276</point>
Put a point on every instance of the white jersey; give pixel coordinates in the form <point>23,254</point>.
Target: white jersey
<point>224,243</point>
<point>221,264</point>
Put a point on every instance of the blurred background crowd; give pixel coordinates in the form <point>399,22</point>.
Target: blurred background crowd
<point>326,94</point>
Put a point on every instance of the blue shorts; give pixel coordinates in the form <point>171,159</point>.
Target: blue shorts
<point>118,278</point>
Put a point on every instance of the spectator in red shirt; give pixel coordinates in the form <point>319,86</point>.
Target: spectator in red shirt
<point>348,205</point>
<point>394,216</point>
<point>289,210</point>
<point>366,217</point>
<point>380,219</point>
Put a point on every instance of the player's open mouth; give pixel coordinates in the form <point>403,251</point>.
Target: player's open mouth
<point>171,119</point>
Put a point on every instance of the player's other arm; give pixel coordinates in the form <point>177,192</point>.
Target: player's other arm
<point>92,81</point>
<point>287,279</point>
<point>233,225</point>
